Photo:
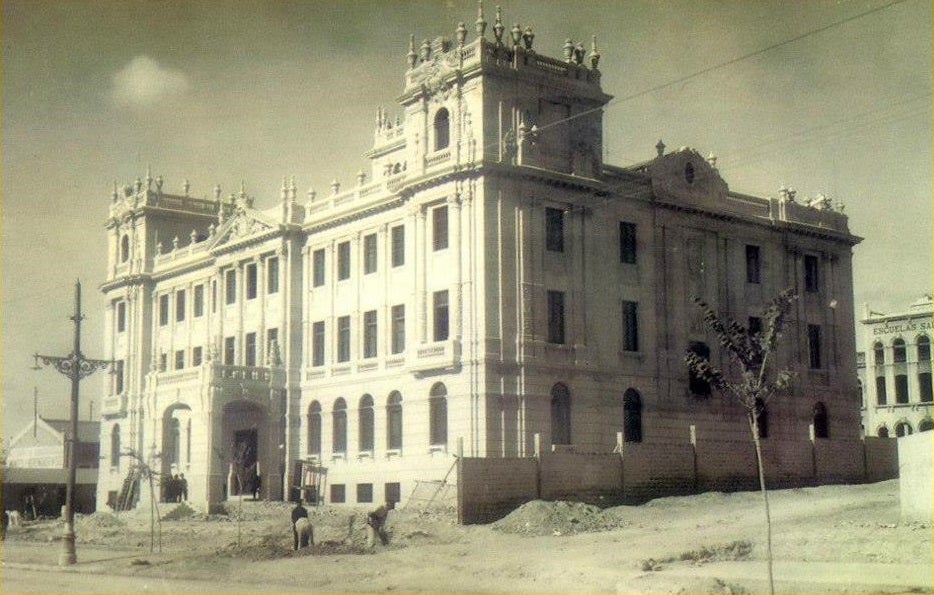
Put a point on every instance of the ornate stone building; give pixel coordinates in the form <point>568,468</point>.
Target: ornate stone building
<point>894,367</point>
<point>489,281</point>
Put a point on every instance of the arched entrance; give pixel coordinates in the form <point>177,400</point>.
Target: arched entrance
<point>245,435</point>
<point>176,453</point>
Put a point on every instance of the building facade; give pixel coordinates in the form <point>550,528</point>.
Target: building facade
<point>488,286</point>
<point>894,368</point>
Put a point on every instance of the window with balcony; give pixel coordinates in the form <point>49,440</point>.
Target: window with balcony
<point>197,356</point>
<point>442,129</point>
<point>249,349</point>
<point>179,359</point>
<point>163,309</point>
<point>230,351</point>
<point>811,274</point>
<point>230,287</point>
<point>121,317</point>
<point>251,281</point>
<point>197,305</point>
<point>180,305</point>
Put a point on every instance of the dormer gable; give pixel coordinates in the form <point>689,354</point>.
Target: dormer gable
<point>245,225</point>
<point>687,176</point>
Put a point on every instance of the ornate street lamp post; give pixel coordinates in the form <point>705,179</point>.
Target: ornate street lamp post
<point>75,366</point>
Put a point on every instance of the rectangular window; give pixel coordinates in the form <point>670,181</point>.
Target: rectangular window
<point>556,317</point>
<point>755,325</point>
<point>251,281</point>
<point>229,350</point>
<point>230,287</point>
<point>272,337</point>
<point>179,359</point>
<point>369,334</point>
<point>398,328</point>
<point>272,275</point>
<point>441,330</point>
<point>121,317</point>
<point>753,265</point>
<point>197,356</point>
<point>163,362</point>
<point>814,346</point>
<point>343,261</point>
<point>811,274</point>
<point>180,305</point>
<point>369,254</point>
<point>250,349</point>
<point>881,398</point>
<point>627,242</point>
<point>554,230</point>
<point>398,245</point>
<point>337,493</point>
<point>924,387</point>
<point>901,388</point>
<point>364,493</point>
<point>163,309</point>
<point>198,304</point>
<point>317,268</point>
<point>630,326</point>
<point>439,226</point>
<point>393,492</point>
<point>118,377</point>
<point>317,343</point>
<point>343,339</point>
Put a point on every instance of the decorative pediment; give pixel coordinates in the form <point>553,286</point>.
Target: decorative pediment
<point>245,224</point>
<point>685,173</point>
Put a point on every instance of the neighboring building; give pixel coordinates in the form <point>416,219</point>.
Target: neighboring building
<point>894,369</point>
<point>35,473</point>
<point>490,280</point>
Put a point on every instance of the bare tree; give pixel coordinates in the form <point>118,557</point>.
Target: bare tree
<point>146,472</point>
<point>754,353</point>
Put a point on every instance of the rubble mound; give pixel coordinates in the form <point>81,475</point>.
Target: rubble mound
<point>539,517</point>
<point>180,511</point>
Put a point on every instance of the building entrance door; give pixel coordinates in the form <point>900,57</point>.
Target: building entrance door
<point>245,453</point>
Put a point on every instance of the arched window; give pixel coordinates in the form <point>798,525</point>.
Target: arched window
<point>762,419</point>
<point>339,426</point>
<point>365,429</point>
<point>560,414</point>
<point>882,432</point>
<point>173,448</point>
<point>902,428</point>
<point>697,385</point>
<point>188,443</point>
<point>878,354</point>
<point>632,416</point>
<point>394,421</point>
<point>924,349</point>
<point>438,415</point>
<point>124,248</point>
<point>926,425</point>
<point>881,398</point>
<point>314,428</point>
<point>898,351</point>
<point>821,423</point>
<point>115,447</point>
<point>442,129</point>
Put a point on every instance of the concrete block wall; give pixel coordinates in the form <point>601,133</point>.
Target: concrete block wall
<point>594,478</point>
<point>914,477</point>
<point>881,458</point>
<point>651,470</point>
<point>489,488</point>
<point>839,461</point>
<point>726,465</point>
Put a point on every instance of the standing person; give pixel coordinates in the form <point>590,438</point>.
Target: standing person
<point>257,484</point>
<point>300,525</point>
<point>376,525</point>
<point>183,487</point>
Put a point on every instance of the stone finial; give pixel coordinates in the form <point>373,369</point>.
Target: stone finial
<point>660,148</point>
<point>379,117</point>
<point>114,195</point>
<point>217,192</point>
<point>148,176</point>
<point>480,25</point>
<point>568,49</point>
<point>283,191</point>
<point>516,33</point>
<point>840,206</point>
<point>412,56</point>
<point>594,54</point>
<point>310,196</point>
<point>138,185</point>
<point>335,186</point>
<point>193,236</point>
<point>232,198</point>
<point>527,38</point>
<point>175,243</point>
<point>186,186</point>
<point>211,229</point>
<point>361,177</point>
<point>791,194</point>
<point>159,182</point>
<point>579,53</point>
<point>425,50</point>
<point>498,26</point>
<point>712,160</point>
<point>158,248</point>
<point>461,33</point>
<point>293,190</point>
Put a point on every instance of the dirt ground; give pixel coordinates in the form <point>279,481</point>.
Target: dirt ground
<point>830,539</point>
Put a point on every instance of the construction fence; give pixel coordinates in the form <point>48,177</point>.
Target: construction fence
<point>489,488</point>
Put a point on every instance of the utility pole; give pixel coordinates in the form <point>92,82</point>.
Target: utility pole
<point>76,367</point>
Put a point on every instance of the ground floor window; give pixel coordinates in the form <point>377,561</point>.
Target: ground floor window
<point>338,495</point>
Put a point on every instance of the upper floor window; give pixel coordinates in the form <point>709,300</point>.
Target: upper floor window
<point>230,287</point>
<point>343,339</point>
<point>369,254</point>
<point>878,354</point>
<point>556,317</point>
<point>121,317</point>
<point>398,328</point>
<point>343,261</point>
<point>398,246</point>
<point>163,309</point>
<point>554,230</point>
<point>249,349</point>
<point>753,264</point>
<point>814,346</point>
<point>180,305</point>
<point>272,275</point>
<point>441,328</point>
<point>627,242</point>
<point>442,129</point>
<point>439,227</point>
<point>251,281</point>
<point>198,304</point>
<point>317,268</point>
<point>366,424</point>
<point>369,334</point>
<point>924,349</point>
<point>898,351</point>
<point>179,359</point>
<point>229,350</point>
<point>317,343</point>
<point>811,274</point>
<point>630,326</point>
<point>124,248</point>
<point>118,377</point>
<point>394,421</point>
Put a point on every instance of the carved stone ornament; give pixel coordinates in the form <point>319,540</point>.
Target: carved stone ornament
<point>434,73</point>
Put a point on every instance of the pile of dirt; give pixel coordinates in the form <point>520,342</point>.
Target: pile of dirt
<point>180,511</point>
<point>539,517</point>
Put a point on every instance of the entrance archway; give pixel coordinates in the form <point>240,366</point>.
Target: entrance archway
<point>245,435</point>
<point>176,452</point>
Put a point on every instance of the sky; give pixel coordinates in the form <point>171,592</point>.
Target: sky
<point>829,97</point>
